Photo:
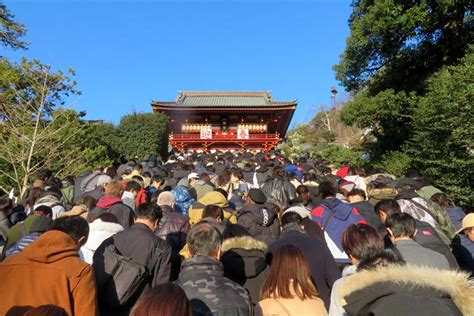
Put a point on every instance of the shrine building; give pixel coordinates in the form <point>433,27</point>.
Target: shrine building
<point>205,121</point>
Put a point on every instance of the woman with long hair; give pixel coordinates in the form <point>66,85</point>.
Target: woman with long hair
<point>289,288</point>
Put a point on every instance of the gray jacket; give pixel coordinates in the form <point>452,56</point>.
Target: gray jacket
<point>210,293</point>
<point>414,253</point>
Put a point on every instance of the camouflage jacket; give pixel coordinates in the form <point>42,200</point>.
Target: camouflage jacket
<point>210,293</point>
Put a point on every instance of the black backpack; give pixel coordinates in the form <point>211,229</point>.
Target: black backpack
<point>126,279</point>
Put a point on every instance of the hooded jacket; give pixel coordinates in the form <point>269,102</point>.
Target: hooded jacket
<point>98,232</point>
<point>210,198</point>
<point>261,220</point>
<point>280,190</point>
<point>49,271</point>
<point>209,292</point>
<point>115,206</point>
<point>244,262</point>
<point>407,290</point>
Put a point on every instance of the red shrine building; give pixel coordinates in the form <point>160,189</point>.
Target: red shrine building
<point>207,121</point>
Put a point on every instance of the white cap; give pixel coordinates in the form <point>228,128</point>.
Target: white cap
<point>300,210</point>
<point>193,175</point>
<point>103,179</point>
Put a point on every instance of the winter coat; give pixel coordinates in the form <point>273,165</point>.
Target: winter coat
<point>98,232</point>
<point>407,290</point>
<point>261,221</point>
<point>334,217</point>
<point>201,187</point>
<point>113,205</point>
<point>53,202</point>
<point>209,291</point>
<point>415,254</point>
<point>173,228</point>
<point>97,193</point>
<point>211,198</point>
<point>49,271</point>
<point>323,268</point>
<point>280,190</point>
<point>260,176</point>
<point>244,262</point>
<point>139,243</point>
<point>247,173</point>
<point>463,250</point>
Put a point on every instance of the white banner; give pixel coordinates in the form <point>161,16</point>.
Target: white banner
<point>242,134</point>
<point>206,133</point>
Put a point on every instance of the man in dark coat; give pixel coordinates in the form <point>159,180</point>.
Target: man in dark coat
<point>202,277</point>
<point>111,202</point>
<point>357,198</point>
<point>139,243</point>
<point>259,218</point>
<point>323,268</point>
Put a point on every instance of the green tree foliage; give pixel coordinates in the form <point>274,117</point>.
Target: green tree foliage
<point>394,162</point>
<point>143,134</point>
<point>102,143</point>
<point>393,48</point>
<point>339,155</point>
<point>10,30</point>
<point>442,144</point>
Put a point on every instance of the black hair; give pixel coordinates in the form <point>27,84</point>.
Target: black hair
<point>151,212</point>
<point>291,217</point>
<point>74,226</point>
<point>235,230</point>
<point>108,217</point>
<point>327,189</point>
<point>401,225</point>
<point>379,260</point>
<point>44,174</point>
<point>6,204</point>
<point>358,192</point>
<point>133,185</point>
<point>147,174</point>
<point>388,206</point>
<point>157,178</point>
<point>46,210</point>
<point>204,240</point>
<point>213,211</point>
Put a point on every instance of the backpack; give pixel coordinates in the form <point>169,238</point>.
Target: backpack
<point>127,278</point>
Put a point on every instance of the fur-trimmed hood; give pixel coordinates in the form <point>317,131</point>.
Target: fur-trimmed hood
<point>454,284</point>
<point>245,242</point>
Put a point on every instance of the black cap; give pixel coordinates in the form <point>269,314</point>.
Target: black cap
<point>257,196</point>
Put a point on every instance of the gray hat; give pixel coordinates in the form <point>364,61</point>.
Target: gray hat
<point>103,179</point>
<point>300,210</point>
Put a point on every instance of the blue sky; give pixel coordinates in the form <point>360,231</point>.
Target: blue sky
<point>127,53</point>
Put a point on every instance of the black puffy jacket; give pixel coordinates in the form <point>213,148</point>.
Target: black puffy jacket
<point>261,221</point>
<point>280,190</point>
<point>173,228</point>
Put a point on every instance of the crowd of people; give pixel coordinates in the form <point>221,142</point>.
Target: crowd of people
<point>234,233</point>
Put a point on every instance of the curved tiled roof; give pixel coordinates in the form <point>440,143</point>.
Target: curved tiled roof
<point>223,99</point>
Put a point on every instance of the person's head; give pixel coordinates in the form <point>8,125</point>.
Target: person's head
<point>401,226</point>
<point>46,310</point>
<point>164,300</point>
<point>213,211</point>
<point>234,230</point>
<point>133,187</point>
<point>108,218</point>
<point>236,176</point>
<point>255,196</point>
<point>385,208</point>
<point>204,240</point>
<point>289,273</point>
<point>53,191</point>
<point>356,195</point>
<point>75,226</point>
<point>44,175</point>
<point>88,201</point>
<point>442,200</point>
<point>114,188</point>
<point>166,198</point>
<point>467,227</point>
<point>6,204</point>
<point>103,180</point>
<point>361,240</point>
<point>34,194</point>
<point>292,218</point>
<point>43,210</point>
<point>149,214</point>
<point>378,260</point>
<point>193,177</point>
<point>157,181</point>
<point>327,189</point>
